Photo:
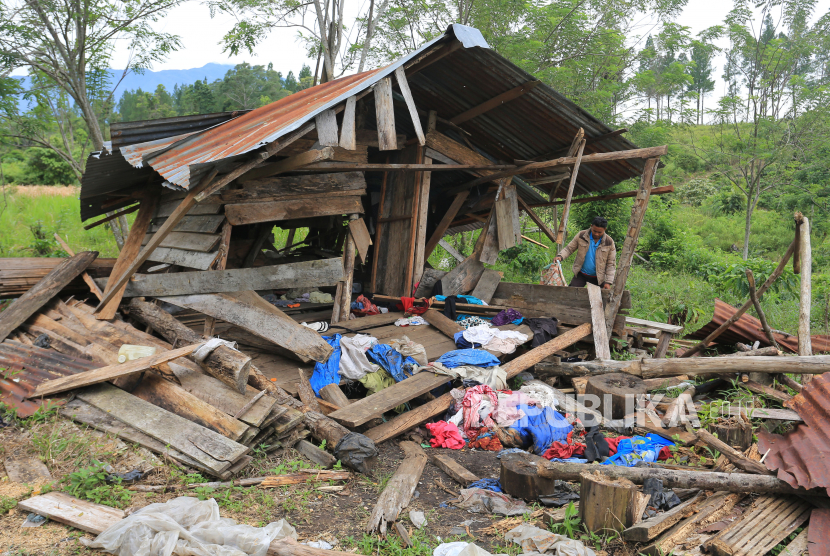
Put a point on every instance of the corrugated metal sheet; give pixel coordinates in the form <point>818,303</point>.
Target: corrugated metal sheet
<point>802,457</point>
<point>106,173</point>
<point>23,368</point>
<point>129,133</point>
<point>747,329</point>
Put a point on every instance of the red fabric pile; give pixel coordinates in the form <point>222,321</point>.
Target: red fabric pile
<point>491,443</point>
<point>563,451</point>
<point>445,435</point>
<point>407,305</point>
<point>369,308</point>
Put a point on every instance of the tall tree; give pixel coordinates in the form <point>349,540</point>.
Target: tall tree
<point>700,71</point>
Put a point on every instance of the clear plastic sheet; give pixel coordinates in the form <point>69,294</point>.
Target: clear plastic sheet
<point>538,541</point>
<point>187,526</point>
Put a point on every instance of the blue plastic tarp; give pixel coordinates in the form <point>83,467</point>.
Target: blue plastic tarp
<point>386,356</point>
<point>541,427</point>
<point>469,299</point>
<point>328,372</point>
<point>474,357</point>
<point>638,448</point>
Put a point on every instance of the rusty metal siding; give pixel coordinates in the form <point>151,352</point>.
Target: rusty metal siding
<point>802,457</point>
<point>130,133</point>
<point>23,368</point>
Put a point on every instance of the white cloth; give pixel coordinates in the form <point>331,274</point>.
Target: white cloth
<point>410,321</point>
<point>354,364</point>
<point>494,377</point>
<point>539,541</point>
<point>186,526</point>
<point>540,392</point>
<point>207,348</point>
<point>408,348</point>
<point>480,334</point>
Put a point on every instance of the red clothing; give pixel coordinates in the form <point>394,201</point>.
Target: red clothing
<point>664,454</point>
<point>491,443</point>
<point>445,435</point>
<point>407,305</point>
<point>564,451</point>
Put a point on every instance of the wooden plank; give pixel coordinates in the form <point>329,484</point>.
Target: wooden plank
<point>29,471</point>
<point>361,237</point>
<point>289,164</point>
<point>221,262</point>
<point>399,489</point>
<point>410,419</point>
<point>663,342</point>
<point>421,212</point>
<point>537,354</point>
<point>164,394</point>
<point>322,272</point>
<point>451,250</point>
<point>348,138</point>
<point>601,345</point>
<point>536,220</point>
<point>118,280</point>
<point>284,332</point>
<point>389,398</point>
<point>798,546</point>
<point>385,115</point>
<point>47,288</point>
<point>403,84</point>
<point>273,211</point>
<point>504,224</point>
<point>222,396</point>
<point>487,284</point>
<point>187,241</point>
<point>202,224</point>
<point>82,412</point>
<point>495,102</point>
<point>566,211</point>
<point>527,296</point>
<point>166,209</point>
<point>649,528</point>
<point>671,328</point>
<point>458,472</point>
<point>326,123</point>
<point>74,512</point>
<point>445,222</point>
<point>110,372</point>
<point>463,278</point>
<point>315,454</point>
<point>211,449</point>
<point>93,287</point>
<point>180,257</point>
<point>280,187</point>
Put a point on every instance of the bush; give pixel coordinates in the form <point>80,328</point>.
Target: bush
<point>525,259</point>
<point>688,162</point>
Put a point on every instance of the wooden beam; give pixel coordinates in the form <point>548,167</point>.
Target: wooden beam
<point>274,211</point>
<point>323,272</point>
<point>93,287</point>
<point>459,473</point>
<point>563,224</point>
<point>638,212</point>
<point>326,124</point>
<point>283,332</point>
<point>370,167</point>
<point>656,191</point>
<point>601,346</point>
<point>399,489</point>
<point>284,188</point>
<point>423,209</point>
<point>105,374</point>
<point>649,152</point>
<point>224,249</point>
<point>112,216</point>
<point>451,250</point>
<point>495,102</point>
<point>41,293</point>
<point>348,139</point>
<point>117,281</point>
<point>344,300</point>
<point>289,164</point>
<point>385,115</point>
<point>536,220</point>
<point>445,222</point>
<point>403,84</point>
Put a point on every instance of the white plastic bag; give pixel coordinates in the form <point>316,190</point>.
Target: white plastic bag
<point>534,539</point>
<point>187,526</point>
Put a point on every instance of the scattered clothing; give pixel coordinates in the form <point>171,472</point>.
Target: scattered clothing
<point>377,381</point>
<point>507,316</point>
<point>596,447</point>
<point>320,297</point>
<point>479,334</point>
<point>542,393</point>
<point>478,500</point>
<point>408,348</point>
<point>410,321</point>
<point>445,435</point>
<point>449,304</point>
<point>367,307</point>
<point>507,411</point>
<point>321,326</point>
<point>544,330</point>
<point>399,367</point>
<point>468,299</point>
<point>534,540</point>
<point>328,372</point>
<point>354,364</point>
<point>467,321</point>
<point>489,442</point>
<point>559,450</point>
<point>409,307</point>
<point>627,451</point>
<point>487,484</point>
<point>541,427</point>
<point>494,377</point>
<point>660,499</point>
<point>474,357</point>
<point>478,403</point>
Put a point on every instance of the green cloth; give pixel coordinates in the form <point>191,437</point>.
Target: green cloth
<point>377,381</point>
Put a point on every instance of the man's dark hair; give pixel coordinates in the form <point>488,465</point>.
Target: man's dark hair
<point>599,222</point>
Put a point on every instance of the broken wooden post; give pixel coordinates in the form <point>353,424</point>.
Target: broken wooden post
<point>617,393</point>
<point>676,413</point>
<point>221,262</point>
<point>563,225</point>
<point>601,332</point>
<point>344,301</point>
<point>672,478</point>
<point>93,287</point>
<point>399,489</point>
<point>635,223</point>
<point>655,368</point>
<point>738,459</point>
<point>609,505</point>
<point>806,259</point>
<point>743,308</point>
<point>650,528</point>
<point>458,472</point>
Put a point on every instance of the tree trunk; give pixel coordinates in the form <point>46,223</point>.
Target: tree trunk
<point>609,505</point>
<point>806,259</point>
<point>747,226</point>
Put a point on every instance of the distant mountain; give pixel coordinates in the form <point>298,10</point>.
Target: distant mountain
<point>149,80</point>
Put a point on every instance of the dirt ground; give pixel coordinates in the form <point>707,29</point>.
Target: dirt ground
<point>338,518</point>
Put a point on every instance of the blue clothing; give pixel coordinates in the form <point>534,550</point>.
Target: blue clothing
<point>474,357</point>
<point>469,299</point>
<point>541,427</point>
<point>386,356</point>
<point>327,372</point>
<point>639,448</point>
<point>589,265</point>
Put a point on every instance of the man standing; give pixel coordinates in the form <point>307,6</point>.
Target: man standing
<point>596,256</point>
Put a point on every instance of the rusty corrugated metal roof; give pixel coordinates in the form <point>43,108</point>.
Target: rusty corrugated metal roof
<point>747,329</point>
<point>802,457</point>
<point>23,368</point>
<point>140,131</point>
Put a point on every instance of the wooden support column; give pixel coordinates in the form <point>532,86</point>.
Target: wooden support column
<point>563,225</point>
<point>638,212</point>
<point>422,211</point>
<point>348,138</point>
<point>343,301</point>
<point>221,261</point>
<point>554,187</point>
<point>400,76</point>
<point>385,115</point>
<point>445,222</point>
<point>805,260</point>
